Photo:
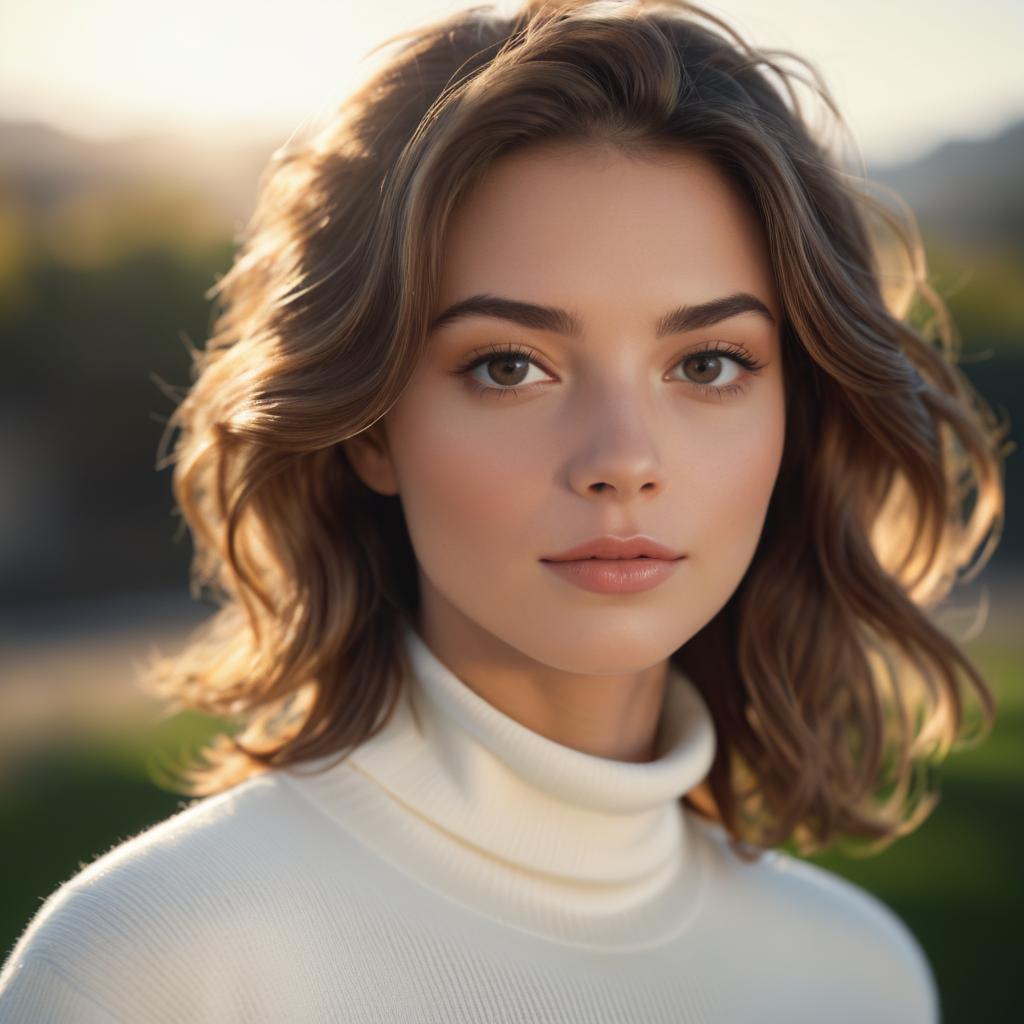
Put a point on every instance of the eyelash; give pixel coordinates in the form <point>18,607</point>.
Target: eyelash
<point>493,352</point>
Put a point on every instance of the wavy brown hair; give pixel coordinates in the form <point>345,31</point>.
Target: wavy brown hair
<point>832,690</point>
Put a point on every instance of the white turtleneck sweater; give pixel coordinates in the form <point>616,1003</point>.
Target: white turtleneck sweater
<point>459,867</point>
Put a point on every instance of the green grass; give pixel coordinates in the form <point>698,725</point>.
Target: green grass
<point>956,881</point>
<point>61,808</point>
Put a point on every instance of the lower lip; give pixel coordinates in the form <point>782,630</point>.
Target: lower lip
<point>615,575</point>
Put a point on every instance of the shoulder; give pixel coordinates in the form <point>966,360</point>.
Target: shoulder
<point>156,903</point>
<point>830,925</point>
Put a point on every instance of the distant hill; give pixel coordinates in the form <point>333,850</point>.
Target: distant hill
<point>968,192</point>
<point>43,166</point>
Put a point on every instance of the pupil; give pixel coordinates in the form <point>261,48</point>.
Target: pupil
<point>505,364</point>
<point>705,360</point>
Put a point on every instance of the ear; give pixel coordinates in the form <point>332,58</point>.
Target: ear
<point>369,454</point>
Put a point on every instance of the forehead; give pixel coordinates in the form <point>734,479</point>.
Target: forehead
<point>569,223</point>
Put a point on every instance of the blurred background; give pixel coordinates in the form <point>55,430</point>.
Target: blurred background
<point>131,143</point>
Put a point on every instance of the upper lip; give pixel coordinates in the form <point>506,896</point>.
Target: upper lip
<point>616,547</point>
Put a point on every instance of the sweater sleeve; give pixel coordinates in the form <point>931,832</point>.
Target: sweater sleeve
<point>37,990</point>
<point>113,943</point>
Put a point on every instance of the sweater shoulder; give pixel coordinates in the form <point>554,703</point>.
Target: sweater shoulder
<point>144,904</point>
<point>832,926</point>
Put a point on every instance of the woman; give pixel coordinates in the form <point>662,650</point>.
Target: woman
<point>575,498</point>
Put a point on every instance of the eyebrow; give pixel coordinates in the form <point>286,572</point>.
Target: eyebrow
<point>561,321</point>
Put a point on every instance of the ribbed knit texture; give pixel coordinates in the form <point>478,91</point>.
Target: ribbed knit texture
<point>460,867</point>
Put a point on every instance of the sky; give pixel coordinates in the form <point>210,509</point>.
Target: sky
<point>907,74</point>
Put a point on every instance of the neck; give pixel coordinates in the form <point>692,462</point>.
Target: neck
<point>558,841</point>
<point>613,715</point>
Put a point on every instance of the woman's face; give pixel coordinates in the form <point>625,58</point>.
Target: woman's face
<point>613,427</point>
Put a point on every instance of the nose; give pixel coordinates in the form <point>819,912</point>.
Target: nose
<point>619,453</point>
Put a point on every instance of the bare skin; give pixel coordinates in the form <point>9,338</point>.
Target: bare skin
<point>608,433</point>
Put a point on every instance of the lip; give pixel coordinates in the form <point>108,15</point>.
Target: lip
<point>615,575</point>
<point>616,565</point>
<point>612,547</point>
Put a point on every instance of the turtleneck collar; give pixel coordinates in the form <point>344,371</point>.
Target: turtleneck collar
<point>567,844</point>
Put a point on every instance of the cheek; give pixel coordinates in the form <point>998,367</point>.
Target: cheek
<point>468,486</point>
<point>740,474</point>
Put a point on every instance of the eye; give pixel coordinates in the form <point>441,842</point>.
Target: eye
<point>512,368</point>
<point>710,360</point>
<point>717,371</point>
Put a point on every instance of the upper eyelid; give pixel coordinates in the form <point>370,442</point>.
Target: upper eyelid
<point>732,350</point>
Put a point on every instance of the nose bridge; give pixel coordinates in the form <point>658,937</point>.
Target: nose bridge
<point>616,439</point>
<point>618,397</point>
<point>623,416</point>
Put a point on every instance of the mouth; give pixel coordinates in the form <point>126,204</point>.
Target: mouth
<point>615,548</point>
<point>609,558</point>
<point>614,575</point>
<point>612,558</point>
